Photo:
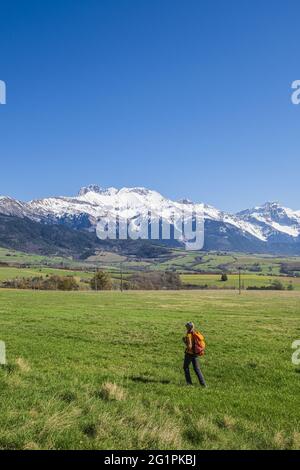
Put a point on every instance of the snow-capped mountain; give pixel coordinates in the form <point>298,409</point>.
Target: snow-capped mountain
<point>272,217</point>
<point>10,206</point>
<point>270,227</point>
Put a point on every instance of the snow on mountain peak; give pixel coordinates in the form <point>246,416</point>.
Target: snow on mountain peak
<point>94,188</point>
<point>272,216</point>
<point>185,201</point>
<point>138,190</point>
<point>272,210</point>
<point>270,205</point>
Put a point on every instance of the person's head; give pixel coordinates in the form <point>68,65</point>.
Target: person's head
<point>189,326</point>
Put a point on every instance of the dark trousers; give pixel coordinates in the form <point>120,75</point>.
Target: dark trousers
<point>188,359</point>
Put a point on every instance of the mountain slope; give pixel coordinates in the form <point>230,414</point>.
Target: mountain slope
<point>21,233</point>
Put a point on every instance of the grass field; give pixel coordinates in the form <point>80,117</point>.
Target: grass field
<point>213,262</point>
<point>247,280</point>
<point>20,258</point>
<point>104,370</point>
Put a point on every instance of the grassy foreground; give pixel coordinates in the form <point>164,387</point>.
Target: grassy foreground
<point>104,370</point>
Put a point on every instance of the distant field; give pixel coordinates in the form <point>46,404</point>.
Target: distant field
<point>106,258</point>
<point>103,370</point>
<point>218,262</point>
<point>11,273</point>
<point>177,259</point>
<point>213,280</point>
<point>20,258</point>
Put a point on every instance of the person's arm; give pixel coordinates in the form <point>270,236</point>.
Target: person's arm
<point>189,343</point>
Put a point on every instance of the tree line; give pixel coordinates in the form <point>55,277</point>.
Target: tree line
<point>100,281</point>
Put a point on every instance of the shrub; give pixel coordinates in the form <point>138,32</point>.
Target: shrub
<point>275,285</point>
<point>43,283</point>
<point>101,281</point>
<point>155,281</point>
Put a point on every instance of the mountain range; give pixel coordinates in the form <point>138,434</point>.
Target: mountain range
<point>269,228</point>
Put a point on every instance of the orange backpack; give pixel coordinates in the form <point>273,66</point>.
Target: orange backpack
<point>198,343</point>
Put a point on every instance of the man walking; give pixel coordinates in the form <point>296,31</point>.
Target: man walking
<point>195,346</point>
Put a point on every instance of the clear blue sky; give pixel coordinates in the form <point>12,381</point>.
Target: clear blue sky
<point>191,98</point>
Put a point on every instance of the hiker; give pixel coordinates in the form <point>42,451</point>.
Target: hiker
<point>195,346</point>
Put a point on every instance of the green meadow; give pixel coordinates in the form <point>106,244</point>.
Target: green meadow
<point>12,273</point>
<point>103,370</point>
<point>20,258</point>
<point>247,280</point>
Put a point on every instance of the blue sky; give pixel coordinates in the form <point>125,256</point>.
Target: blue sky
<point>191,98</point>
